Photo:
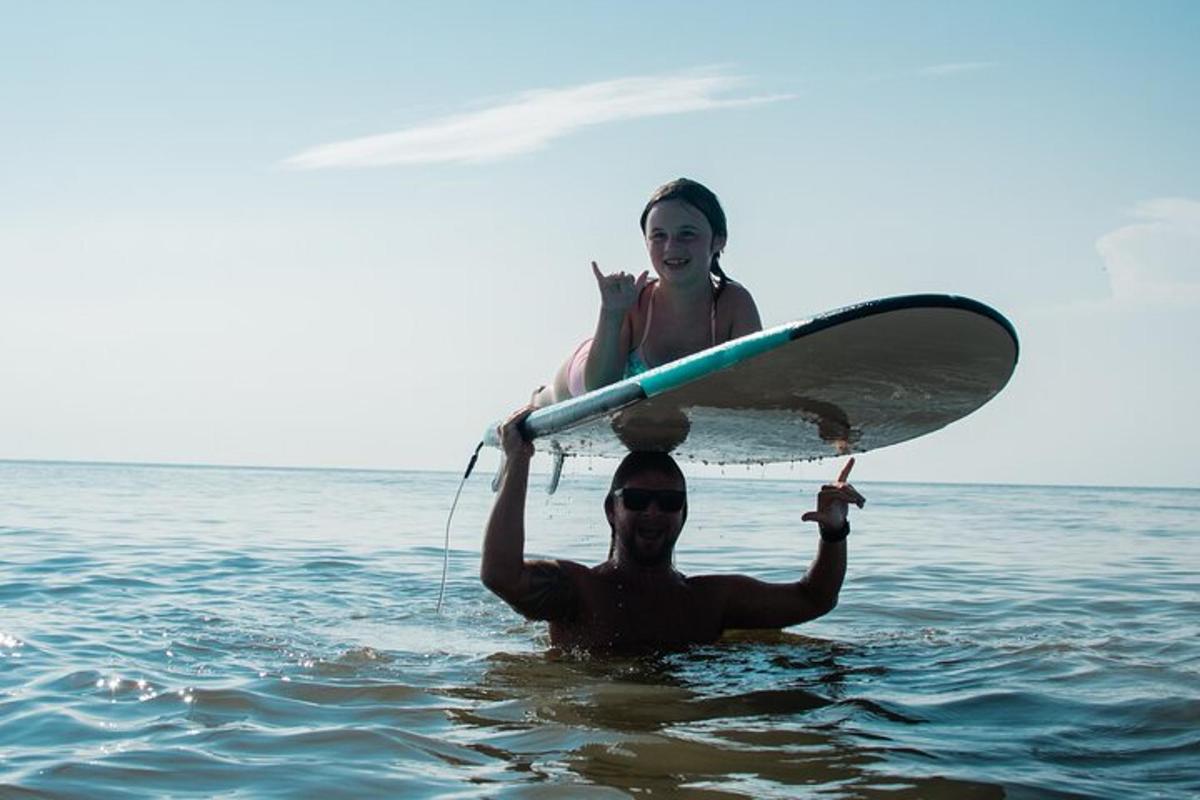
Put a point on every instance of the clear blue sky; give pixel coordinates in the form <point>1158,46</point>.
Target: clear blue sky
<point>352,234</point>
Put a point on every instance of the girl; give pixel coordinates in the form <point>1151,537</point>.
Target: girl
<point>645,322</point>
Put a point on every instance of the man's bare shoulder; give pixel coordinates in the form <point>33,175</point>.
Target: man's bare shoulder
<point>720,580</point>
<point>721,586</point>
<point>558,569</point>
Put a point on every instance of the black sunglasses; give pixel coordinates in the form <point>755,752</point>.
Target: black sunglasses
<point>667,500</point>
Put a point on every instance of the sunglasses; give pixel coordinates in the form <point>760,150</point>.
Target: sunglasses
<point>667,500</point>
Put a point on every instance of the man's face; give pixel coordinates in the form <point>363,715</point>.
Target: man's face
<point>646,533</point>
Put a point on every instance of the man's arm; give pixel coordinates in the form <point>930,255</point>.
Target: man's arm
<point>751,603</point>
<point>503,567</point>
<point>541,589</point>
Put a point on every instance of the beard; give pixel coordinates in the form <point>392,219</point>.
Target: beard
<point>649,551</point>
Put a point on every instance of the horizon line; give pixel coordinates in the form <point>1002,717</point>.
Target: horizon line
<point>685,463</point>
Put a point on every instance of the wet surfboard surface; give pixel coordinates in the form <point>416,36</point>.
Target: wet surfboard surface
<point>848,381</point>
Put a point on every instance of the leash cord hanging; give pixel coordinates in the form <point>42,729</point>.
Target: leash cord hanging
<point>446,544</point>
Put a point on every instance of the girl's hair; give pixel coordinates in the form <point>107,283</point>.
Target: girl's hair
<point>698,196</point>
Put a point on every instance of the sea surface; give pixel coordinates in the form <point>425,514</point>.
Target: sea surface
<point>215,632</point>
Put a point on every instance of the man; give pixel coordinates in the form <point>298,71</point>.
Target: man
<point>636,600</point>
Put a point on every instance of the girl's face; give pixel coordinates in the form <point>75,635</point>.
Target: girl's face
<point>680,242</point>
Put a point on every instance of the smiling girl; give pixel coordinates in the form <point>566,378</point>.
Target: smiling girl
<point>645,322</point>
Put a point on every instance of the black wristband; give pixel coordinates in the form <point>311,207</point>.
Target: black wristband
<point>835,536</point>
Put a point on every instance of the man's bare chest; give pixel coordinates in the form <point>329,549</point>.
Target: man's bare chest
<point>619,616</point>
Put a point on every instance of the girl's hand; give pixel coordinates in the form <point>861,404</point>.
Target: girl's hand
<point>619,291</point>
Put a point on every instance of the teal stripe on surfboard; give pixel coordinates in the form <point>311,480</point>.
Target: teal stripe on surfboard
<point>560,416</point>
<point>689,368</point>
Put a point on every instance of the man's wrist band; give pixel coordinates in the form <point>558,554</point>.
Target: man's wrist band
<point>835,536</point>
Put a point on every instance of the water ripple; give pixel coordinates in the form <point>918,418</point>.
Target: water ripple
<point>253,633</point>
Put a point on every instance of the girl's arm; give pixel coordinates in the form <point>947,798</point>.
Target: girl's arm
<point>611,344</point>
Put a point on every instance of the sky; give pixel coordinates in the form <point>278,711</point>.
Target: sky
<point>354,234</point>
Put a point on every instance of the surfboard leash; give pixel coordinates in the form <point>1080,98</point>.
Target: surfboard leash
<point>449,518</point>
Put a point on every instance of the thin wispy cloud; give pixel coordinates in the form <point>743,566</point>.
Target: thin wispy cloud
<point>954,68</point>
<point>1155,261</point>
<point>533,119</point>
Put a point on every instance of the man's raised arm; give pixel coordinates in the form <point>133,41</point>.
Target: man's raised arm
<point>503,567</point>
<point>540,589</point>
<point>751,603</point>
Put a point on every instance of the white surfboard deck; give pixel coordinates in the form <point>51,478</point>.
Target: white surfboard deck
<point>848,381</point>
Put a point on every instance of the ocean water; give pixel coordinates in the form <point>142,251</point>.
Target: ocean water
<point>198,632</point>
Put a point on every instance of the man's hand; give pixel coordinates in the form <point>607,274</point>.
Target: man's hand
<point>833,502</point>
<point>512,441</point>
<point>619,291</point>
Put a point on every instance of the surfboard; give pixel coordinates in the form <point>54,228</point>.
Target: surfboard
<point>851,380</point>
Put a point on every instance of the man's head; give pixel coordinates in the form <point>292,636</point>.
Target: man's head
<point>646,506</point>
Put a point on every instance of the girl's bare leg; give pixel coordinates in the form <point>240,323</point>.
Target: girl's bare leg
<point>555,392</point>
